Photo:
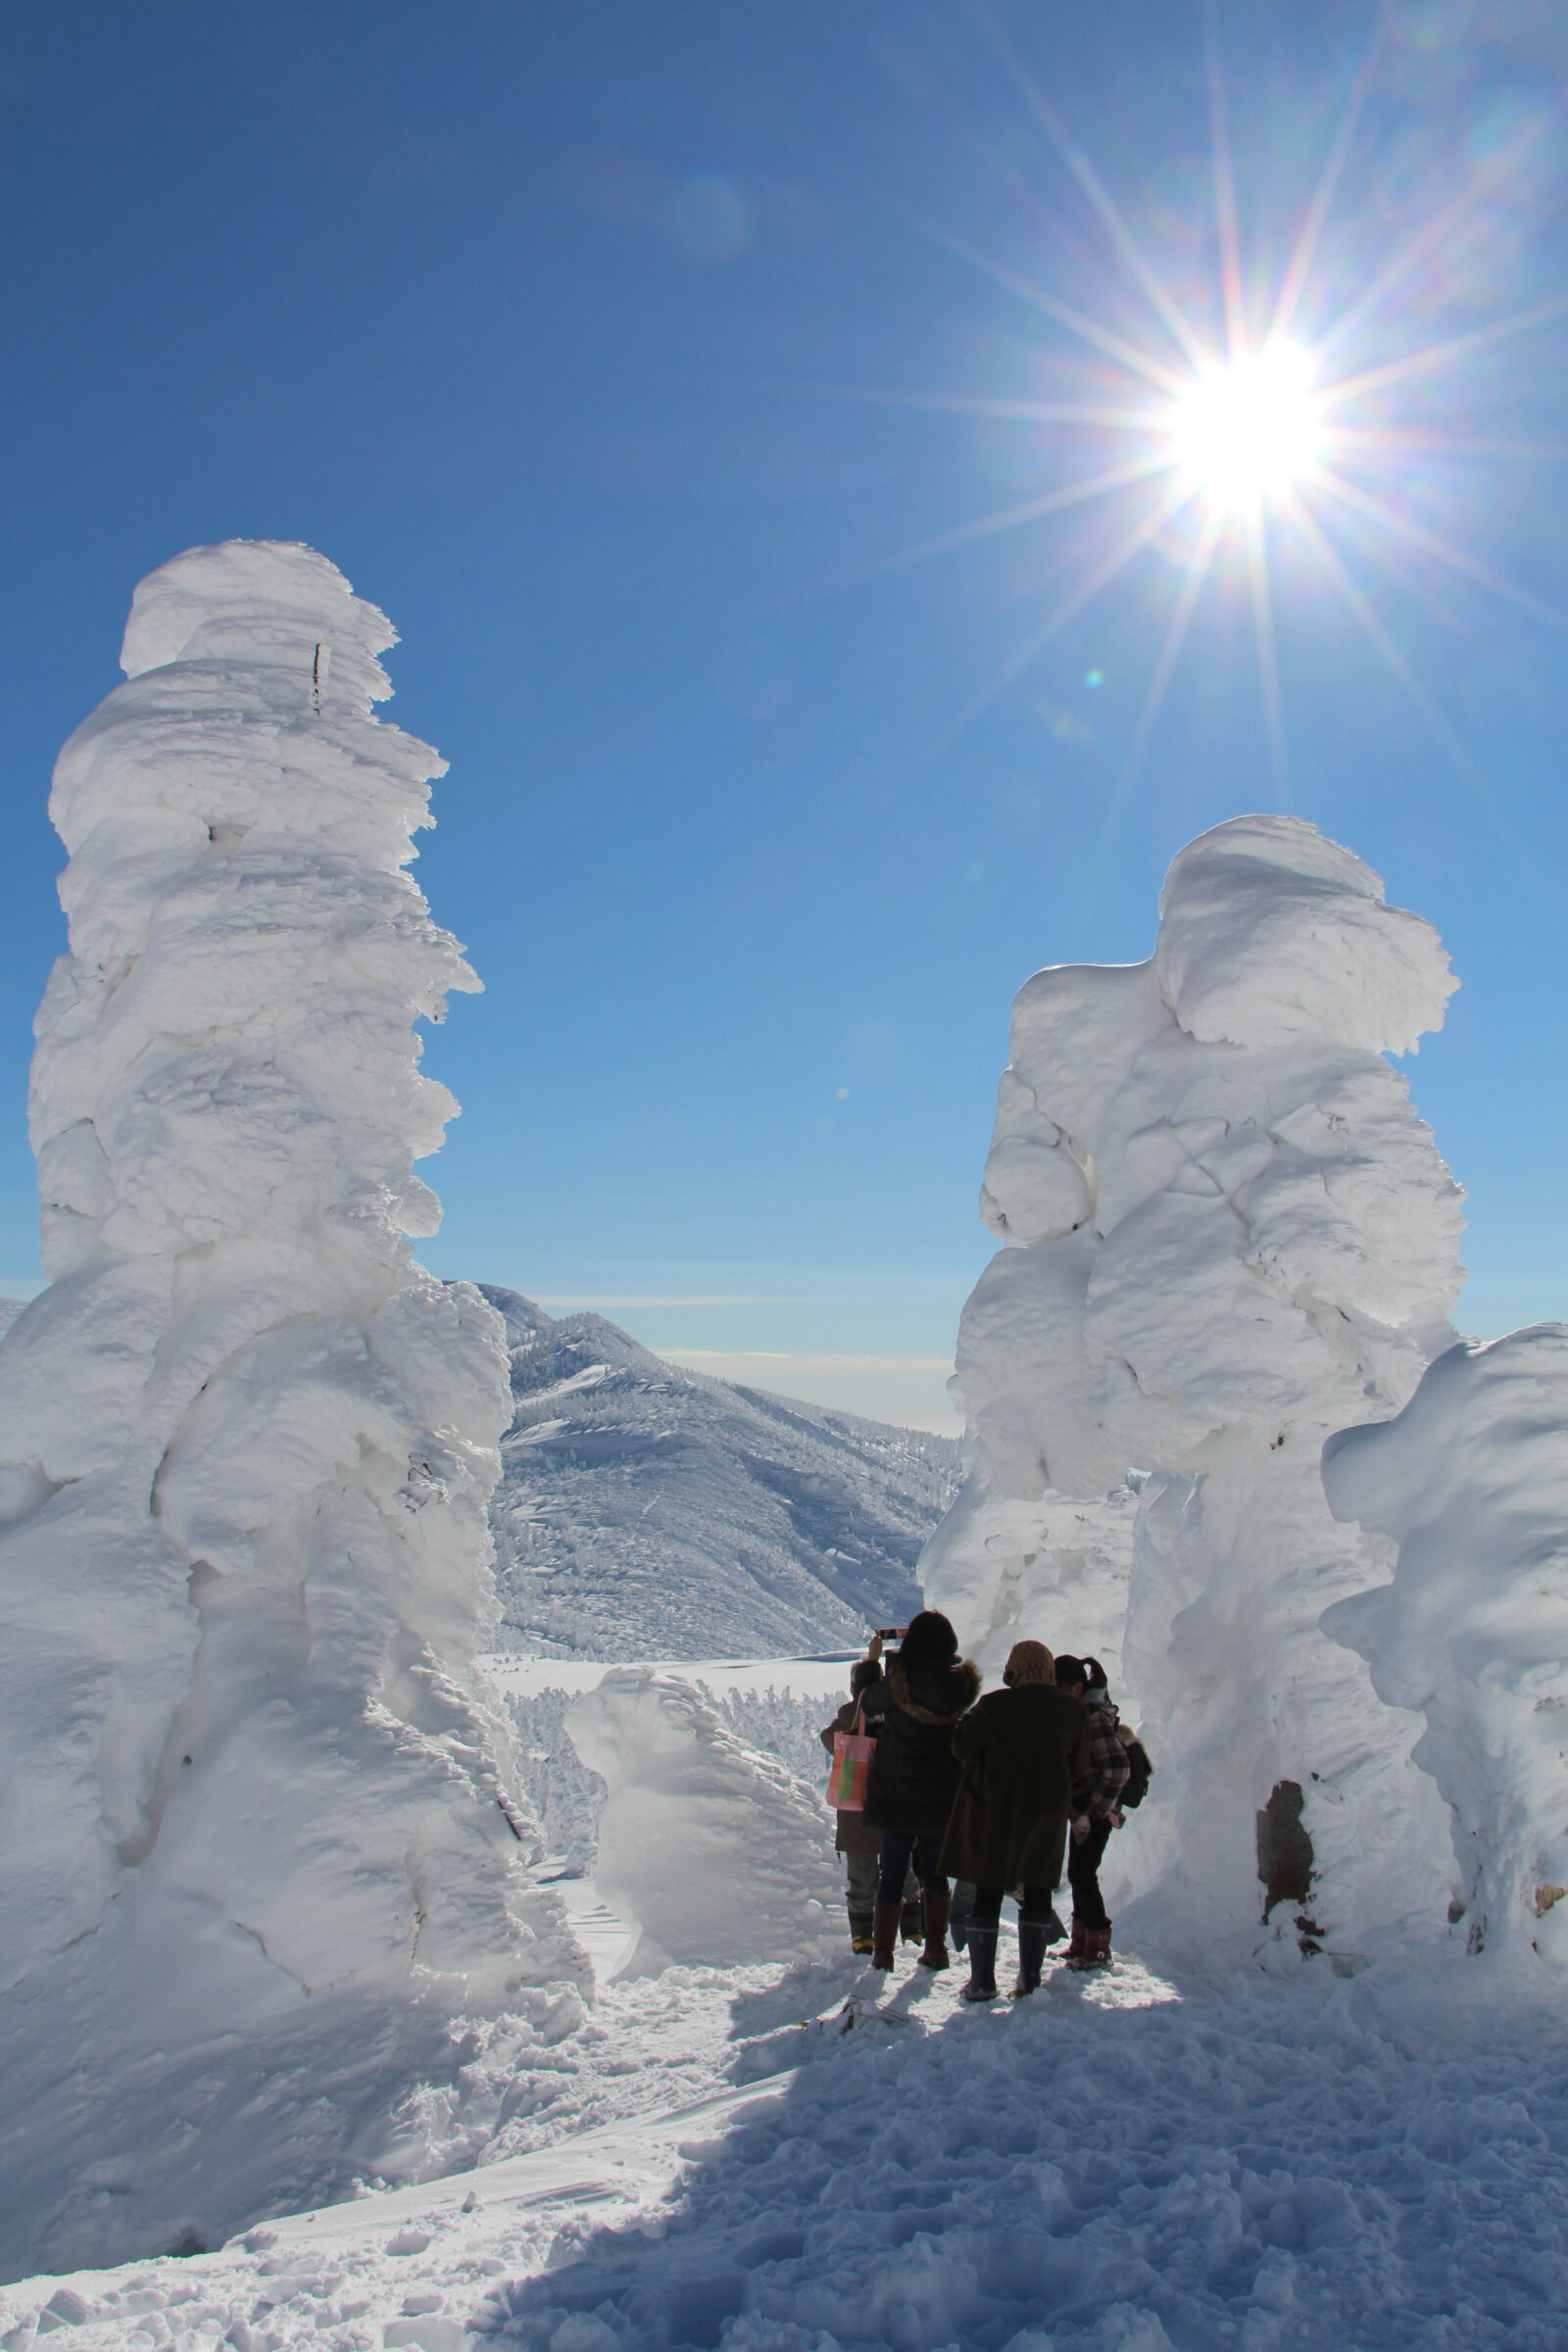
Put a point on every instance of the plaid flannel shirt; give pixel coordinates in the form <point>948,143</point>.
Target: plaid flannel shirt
<point>1109,1769</point>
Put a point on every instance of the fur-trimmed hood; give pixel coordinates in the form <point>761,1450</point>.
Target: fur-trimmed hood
<point>932,1691</point>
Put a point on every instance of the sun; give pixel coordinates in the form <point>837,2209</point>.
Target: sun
<point>1245,434</point>
<point>1233,452</point>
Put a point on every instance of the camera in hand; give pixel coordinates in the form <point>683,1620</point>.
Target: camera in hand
<point>891,1632</point>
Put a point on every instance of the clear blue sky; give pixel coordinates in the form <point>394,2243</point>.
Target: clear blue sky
<point>540,322</point>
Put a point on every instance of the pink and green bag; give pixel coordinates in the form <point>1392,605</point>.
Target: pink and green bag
<point>851,1762</point>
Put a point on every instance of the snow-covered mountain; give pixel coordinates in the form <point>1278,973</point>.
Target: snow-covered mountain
<point>645,1511</point>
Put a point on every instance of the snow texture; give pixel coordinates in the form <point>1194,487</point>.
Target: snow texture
<point>1471,1482</point>
<point>1225,1236</point>
<point>648,1512</point>
<point>261,1846</point>
<point>568,1799</point>
<point>1123,2164</point>
<point>715,1852</point>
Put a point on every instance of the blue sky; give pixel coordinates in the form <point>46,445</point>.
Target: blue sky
<point>552,326</point>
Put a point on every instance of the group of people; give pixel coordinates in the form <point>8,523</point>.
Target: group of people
<point>993,1793</point>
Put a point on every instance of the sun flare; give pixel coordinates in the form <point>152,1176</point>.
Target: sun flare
<point>1237,457</point>
<point>1246,433</point>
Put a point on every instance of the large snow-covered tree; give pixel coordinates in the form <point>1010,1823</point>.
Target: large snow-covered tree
<point>1225,1235</point>
<point>258,1818</point>
<point>1471,1482</point>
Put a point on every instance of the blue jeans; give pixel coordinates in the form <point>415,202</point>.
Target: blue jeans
<point>897,1847</point>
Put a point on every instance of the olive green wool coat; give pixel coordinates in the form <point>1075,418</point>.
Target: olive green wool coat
<point>1021,1751</point>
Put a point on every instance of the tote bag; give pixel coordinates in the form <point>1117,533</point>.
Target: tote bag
<point>852,1761</point>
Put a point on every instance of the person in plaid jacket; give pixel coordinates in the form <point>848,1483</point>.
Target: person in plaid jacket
<point>1096,1811</point>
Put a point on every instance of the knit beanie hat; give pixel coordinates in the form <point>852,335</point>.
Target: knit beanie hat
<point>1028,1662</point>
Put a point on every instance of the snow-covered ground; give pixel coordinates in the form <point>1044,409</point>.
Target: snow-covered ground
<point>763,2160</point>
<point>647,1512</point>
<point>789,2155</point>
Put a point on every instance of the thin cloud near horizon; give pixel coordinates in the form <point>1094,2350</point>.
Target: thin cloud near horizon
<point>658,1298</point>
<point>826,1361</point>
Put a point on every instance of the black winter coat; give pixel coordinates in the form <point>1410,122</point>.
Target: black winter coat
<point>914,1773</point>
<point>1021,1751</point>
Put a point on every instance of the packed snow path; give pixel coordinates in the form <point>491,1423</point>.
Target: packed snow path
<point>1123,2164</point>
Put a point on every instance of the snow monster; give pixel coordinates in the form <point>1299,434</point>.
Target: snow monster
<point>1225,1236</point>
<point>261,1852</point>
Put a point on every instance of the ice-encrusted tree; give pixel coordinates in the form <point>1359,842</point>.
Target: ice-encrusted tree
<point>254,1794</point>
<point>1471,1482</point>
<point>1225,1235</point>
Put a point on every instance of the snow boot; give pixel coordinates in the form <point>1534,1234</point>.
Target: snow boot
<point>911,1922</point>
<point>1075,1949</point>
<point>937,1905</point>
<point>1097,1949</point>
<point>1033,1937</point>
<point>982,1985</point>
<point>860,1931</point>
<point>884,1931</point>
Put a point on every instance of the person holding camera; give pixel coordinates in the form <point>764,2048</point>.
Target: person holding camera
<point>921,1693</point>
<point>1021,1750</point>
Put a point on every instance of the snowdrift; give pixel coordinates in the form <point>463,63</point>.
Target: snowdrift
<point>1224,1237</point>
<point>262,1848</point>
<point>1471,1482</point>
<point>717,1854</point>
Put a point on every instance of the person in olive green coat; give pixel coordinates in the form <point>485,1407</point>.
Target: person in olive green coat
<point>1021,1748</point>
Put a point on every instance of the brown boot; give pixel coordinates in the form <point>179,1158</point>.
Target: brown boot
<point>1097,1949</point>
<point>938,1905</point>
<point>884,1931</point>
<point>1075,1949</point>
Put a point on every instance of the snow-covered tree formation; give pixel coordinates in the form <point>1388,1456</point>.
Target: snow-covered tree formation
<point>259,1832</point>
<point>1225,1236</point>
<point>1471,1482</point>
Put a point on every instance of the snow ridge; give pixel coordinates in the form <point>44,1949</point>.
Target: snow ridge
<point>650,1512</point>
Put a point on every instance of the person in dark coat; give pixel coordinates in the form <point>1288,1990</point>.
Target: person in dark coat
<point>1096,1811</point>
<point>915,1777</point>
<point>1021,1750</point>
<point>861,1848</point>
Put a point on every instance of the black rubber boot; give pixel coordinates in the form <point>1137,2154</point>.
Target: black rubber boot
<point>982,1985</point>
<point>1033,1937</point>
<point>860,1931</point>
